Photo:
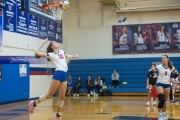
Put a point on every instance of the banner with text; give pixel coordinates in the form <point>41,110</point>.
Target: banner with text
<point>10,15</point>
<point>1,30</point>
<point>146,38</point>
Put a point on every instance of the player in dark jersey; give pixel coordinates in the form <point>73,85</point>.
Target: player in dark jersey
<point>151,83</point>
<point>174,75</point>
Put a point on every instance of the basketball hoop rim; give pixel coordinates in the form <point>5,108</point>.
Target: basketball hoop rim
<point>50,5</point>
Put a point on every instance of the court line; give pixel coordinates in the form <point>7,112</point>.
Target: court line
<point>26,113</point>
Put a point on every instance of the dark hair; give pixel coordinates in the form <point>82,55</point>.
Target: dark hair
<point>170,65</point>
<point>49,49</point>
<point>69,80</point>
<point>165,33</point>
<point>98,76</point>
<point>79,77</point>
<point>138,32</point>
<point>153,64</point>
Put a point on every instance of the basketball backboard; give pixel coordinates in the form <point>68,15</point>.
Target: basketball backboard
<point>35,7</point>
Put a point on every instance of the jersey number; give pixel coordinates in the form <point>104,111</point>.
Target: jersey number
<point>165,73</point>
<point>61,56</point>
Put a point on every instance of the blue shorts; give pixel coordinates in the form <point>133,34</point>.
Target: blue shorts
<point>60,76</point>
<point>163,85</point>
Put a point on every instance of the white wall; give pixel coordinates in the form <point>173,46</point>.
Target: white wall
<point>89,27</point>
<point>21,45</point>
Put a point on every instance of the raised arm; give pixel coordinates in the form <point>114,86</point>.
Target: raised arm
<point>37,52</point>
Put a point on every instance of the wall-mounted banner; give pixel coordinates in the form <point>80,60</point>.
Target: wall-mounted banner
<point>51,31</point>
<point>33,26</point>
<point>121,39</point>
<point>0,73</point>
<point>1,30</point>
<point>58,32</point>
<point>146,38</point>
<point>42,28</point>
<point>22,60</point>
<point>10,16</point>
<point>22,20</point>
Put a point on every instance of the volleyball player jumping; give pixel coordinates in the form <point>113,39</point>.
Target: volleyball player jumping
<point>59,79</point>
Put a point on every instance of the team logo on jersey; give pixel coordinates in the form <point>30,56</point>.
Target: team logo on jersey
<point>61,56</point>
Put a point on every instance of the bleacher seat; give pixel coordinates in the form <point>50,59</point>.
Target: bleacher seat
<point>131,70</point>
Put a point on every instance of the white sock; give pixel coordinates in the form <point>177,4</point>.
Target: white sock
<point>164,113</point>
<point>160,113</point>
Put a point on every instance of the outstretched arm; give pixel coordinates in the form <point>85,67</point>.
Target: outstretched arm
<point>71,56</point>
<point>37,52</point>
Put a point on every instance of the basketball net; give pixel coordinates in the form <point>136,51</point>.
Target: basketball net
<point>55,9</point>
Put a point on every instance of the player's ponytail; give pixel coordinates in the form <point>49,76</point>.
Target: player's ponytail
<point>170,65</point>
<point>49,49</point>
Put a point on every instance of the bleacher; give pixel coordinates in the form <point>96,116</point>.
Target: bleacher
<point>131,70</point>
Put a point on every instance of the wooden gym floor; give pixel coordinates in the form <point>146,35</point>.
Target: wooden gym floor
<point>93,108</point>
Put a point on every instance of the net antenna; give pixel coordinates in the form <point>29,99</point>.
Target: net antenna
<point>55,9</point>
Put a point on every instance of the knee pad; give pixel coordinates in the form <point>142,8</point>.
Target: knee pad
<point>161,100</point>
<point>43,97</point>
<point>60,103</point>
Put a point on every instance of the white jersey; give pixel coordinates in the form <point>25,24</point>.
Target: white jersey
<point>122,38</point>
<point>59,60</point>
<point>163,74</point>
<point>162,37</point>
<point>140,40</point>
<point>178,33</point>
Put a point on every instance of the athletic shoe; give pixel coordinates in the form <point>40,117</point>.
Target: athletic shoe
<point>77,95</point>
<point>88,95</point>
<point>91,93</point>
<point>31,107</point>
<point>154,103</point>
<point>164,117</point>
<point>57,117</point>
<point>147,104</point>
<point>160,117</point>
<point>174,103</point>
<point>74,94</point>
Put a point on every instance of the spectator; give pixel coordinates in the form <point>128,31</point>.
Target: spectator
<point>103,79</point>
<point>77,87</point>
<point>115,79</point>
<point>98,83</point>
<point>69,85</point>
<point>89,85</point>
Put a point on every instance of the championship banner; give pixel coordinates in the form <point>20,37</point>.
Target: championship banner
<point>33,26</point>
<point>146,38</point>
<point>22,20</point>
<point>10,16</point>
<point>42,28</point>
<point>1,30</point>
<point>58,32</point>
